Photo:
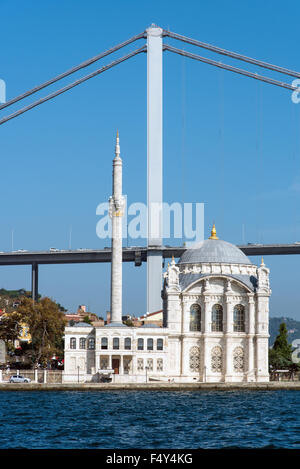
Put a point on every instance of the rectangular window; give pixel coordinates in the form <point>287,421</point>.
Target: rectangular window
<point>82,343</point>
<point>149,344</point>
<point>127,343</point>
<point>159,364</point>
<point>91,344</point>
<point>140,364</point>
<point>160,344</point>
<point>104,343</point>
<point>73,343</point>
<point>150,364</point>
<point>116,343</point>
<point>140,344</point>
<point>103,363</point>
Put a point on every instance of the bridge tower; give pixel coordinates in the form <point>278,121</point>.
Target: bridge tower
<point>154,167</point>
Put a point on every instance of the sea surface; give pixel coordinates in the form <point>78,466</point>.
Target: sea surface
<point>149,419</point>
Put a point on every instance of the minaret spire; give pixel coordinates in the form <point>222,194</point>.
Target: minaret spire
<point>116,207</point>
<point>117,148</point>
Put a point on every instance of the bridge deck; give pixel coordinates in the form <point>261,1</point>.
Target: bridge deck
<point>134,254</point>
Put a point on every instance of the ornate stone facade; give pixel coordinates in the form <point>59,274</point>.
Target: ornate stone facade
<point>221,309</point>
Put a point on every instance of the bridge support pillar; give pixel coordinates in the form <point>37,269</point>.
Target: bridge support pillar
<point>154,166</point>
<point>35,281</point>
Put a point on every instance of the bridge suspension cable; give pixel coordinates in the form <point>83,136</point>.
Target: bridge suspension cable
<point>72,85</point>
<point>72,70</point>
<point>229,67</point>
<point>234,55</point>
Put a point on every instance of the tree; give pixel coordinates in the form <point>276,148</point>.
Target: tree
<point>46,326</point>
<point>281,344</point>
<point>87,320</point>
<point>10,328</point>
<point>280,356</point>
<point>128,323</point>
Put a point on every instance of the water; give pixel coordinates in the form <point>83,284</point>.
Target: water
<point>149,419</point>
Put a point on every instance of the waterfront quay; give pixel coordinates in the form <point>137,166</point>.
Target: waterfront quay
<point>155,386</point>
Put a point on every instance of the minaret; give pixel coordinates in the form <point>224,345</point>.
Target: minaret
<point>116,207</point>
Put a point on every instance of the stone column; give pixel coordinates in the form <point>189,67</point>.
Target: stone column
<point>207,315</point>
<point>133,364</point>
<point>228,335</point>
<point>121,365</point>
<point>206,331</point>
<point>185,315</point>
<point>251,331</point>
<point>262,335</point>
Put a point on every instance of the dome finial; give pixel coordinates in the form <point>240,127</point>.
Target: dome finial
<point>213,234</point>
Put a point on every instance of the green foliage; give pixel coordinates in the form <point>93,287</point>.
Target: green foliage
<point>46,326</point>
<point>281,345</point>
<point>10,327</point>
<point>292,325</point>
<point>15,294</point>
<point>129,323</point>
<point>87,320</point>
<point>280,356</point>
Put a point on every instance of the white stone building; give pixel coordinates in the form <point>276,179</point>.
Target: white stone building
<point>215,319</point>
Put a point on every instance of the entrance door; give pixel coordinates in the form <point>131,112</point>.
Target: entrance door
<point>116,365</point>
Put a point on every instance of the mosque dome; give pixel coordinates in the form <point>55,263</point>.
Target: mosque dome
<point>214,250</point>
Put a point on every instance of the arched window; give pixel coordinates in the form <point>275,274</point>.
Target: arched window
<point>195,318</point>
<point>104,343</point>
<point>73,342</point>
<point>217,318</point>
<point>159,344</point>
<point>140,344</point>
<point>127,343</point>
<point>216,360</point>
<point>82,343</point>
<point>116,343</point>
<point>238,359</point>
<point>195,359</point>
<point>239,318</point>
<point>149,344</point>
<point>91,343</point>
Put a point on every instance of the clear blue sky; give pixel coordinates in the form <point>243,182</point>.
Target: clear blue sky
<point>229,141</point>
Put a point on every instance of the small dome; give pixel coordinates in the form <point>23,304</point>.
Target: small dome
<point>216,251</point>
<point>82,324</point>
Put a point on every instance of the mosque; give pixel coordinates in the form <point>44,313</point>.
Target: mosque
<point>215,318</point>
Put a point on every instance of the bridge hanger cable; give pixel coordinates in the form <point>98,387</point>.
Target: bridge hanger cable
<point>230,68</point>
<point>72,70</point>
<point>234,55</point>
<point>72,85</point>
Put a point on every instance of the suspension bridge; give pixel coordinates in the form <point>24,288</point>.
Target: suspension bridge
<point>155,252</point>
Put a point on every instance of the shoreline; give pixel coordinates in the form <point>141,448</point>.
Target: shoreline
<point>270,386</point>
